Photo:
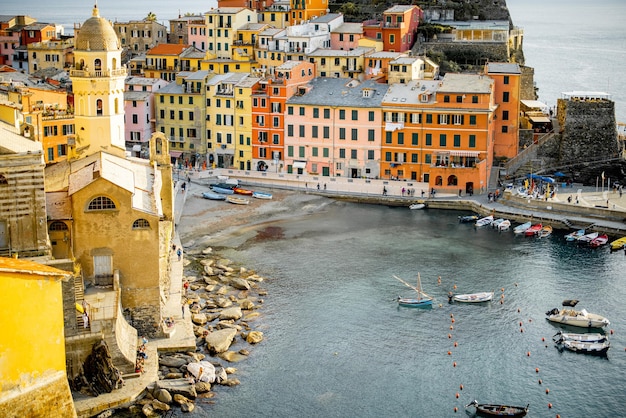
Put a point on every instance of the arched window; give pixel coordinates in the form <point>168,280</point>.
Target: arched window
<point>98,64</point>
<point>57,226</point>
<point>141,224</point>
<point>114,64</point>
<point>438,181</point>
<point>452,181</point>
<point>99,107</point>
<point>116,106</point>
<point>101,203</point>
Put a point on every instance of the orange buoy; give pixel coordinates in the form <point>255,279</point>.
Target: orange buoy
<point>518,310</point>
<point>456,409</point>
<point>451,327</point>
<point>461,386</point>
<point>515,284</point>
<point>521,330</point>
<point>528,354</point>
<point>611,332</point>
<point>502,296</point>
<point>455,344</point>
<point>457,395</point>
<point>501,302</point>
<point>454,286</point>
<point>530,320</point>
<point>452,320</point>
<point>558,416</point>
<point>543,339</point>
<point>537,370</point>
<point>451,315</point>
<point>449,353</point>
<point>449,335</point>
<point>547,391</point>
<point>520,323</point>
<point>454,364</point>
<point>550,405</point>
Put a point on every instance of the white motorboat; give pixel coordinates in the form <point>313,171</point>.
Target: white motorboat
<point>575,318</point>
<point>587,238</point>
<point>487,220</point>
<point>504,225</point>
<point>473,297</point>
<point>415,206</point>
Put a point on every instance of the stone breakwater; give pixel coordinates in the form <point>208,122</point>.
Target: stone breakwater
<point>223,302</point>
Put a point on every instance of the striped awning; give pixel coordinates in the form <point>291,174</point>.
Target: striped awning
<point>460,153</point>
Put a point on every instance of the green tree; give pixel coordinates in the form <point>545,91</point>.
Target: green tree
<point>151,17</point>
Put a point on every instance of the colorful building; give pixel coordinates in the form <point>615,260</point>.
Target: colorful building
<point>53,53</point>
<point>340,63</point>
<point>164,61</point>
<point>10,37</point>
<point>268,112</point>
<point>32,370</point>
<point>397,29</point>
<point>440,132</point>
<point>507,77</point>
<point>222,26</point>
<point>189,30</point>
<point>303,10</point>
<point>140,114</point>
<point>138,36</point>
<point>333,128</point>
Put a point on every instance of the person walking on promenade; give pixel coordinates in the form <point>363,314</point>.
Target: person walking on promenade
<point>179,253</point>
<point>384,191</point>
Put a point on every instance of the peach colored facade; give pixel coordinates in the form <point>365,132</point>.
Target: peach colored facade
<point>440,132</point>
<point>333,128</point>
<point>507,78</point>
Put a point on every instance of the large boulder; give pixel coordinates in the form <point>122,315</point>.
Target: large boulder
<point>219,341</point>
<point>178,387</point>
<point>239,283</point>
<point>163,396</point>
<point>199,319</point>
<point>173,361</point>
<point>254,337</point>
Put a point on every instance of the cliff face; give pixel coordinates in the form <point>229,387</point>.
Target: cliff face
<point>360,10</point>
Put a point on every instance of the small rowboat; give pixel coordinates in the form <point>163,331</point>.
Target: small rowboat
<point>495,410</point>
<point>237,200</point>
<point>573,236</point>
<point>474,297</point>
<point>261,195</point>
<point>415,206</point>
<point>587,238</point>
<point>545,232</point>
<point>213,196</point>
<point>599,241</point>
<point>533,230</point>
<point>487,220</point>
<point>504,225</point>
<point>597,348</point>
<point>561,336</point>
<point>618,244</point>
<point>468,218</point>
<point>239,190</point>
<point>520,229</point>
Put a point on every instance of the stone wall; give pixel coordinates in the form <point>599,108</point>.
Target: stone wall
<point>469,53</point>
<point>527,83</point>
<point>49,397</point>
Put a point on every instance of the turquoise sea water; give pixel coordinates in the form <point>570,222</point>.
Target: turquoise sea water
<point>337,345</point>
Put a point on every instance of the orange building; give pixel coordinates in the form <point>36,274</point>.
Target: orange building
<point>507,97</point>
<point>303,10</point>
<point>268,110</point>
<point>398,28</point>
<point>440,132</point>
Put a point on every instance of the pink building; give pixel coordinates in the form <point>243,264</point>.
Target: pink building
<point>346,36</point>
<point>139,113</point>
<point>333,128</point>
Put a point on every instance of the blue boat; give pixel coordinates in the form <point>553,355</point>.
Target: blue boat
<point>213,196</point>
<point>222,190</point>
<point>421,301</point>
<point>261,195</point>
<point>573,236</point>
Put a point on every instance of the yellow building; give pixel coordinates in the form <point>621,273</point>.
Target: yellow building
<point>33,381</point>
<point>164,61</point>
<point>338,63</point>
<point>54,53</point>
<point>222,26</point>
<point>229,120</point>
<point>180,115</point>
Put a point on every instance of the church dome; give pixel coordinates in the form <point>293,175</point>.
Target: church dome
<point>96,34</point>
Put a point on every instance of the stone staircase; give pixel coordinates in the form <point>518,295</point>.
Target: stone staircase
<point>79,295</point>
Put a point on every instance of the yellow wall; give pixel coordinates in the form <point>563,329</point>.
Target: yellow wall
<point>32,344</point>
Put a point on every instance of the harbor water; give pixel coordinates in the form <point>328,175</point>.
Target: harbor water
<point>337,344</point>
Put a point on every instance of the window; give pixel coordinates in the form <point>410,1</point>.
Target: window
<point>61,150</point>
<point>301,131</point>
<point>459,99</point>
<point>51,154</point>
<point>443,119</point>
<point>370,154</point>
<point>429,118</point>
<point>472,119</point>
<point>392,39</point>
<point>472,141</point>
<point>414,139</point>
<point>342,153</point>
<point>141,224</point>
<point>316,113</point>
<point>135,119</point>
<point>442,140</point>
<point>172,114</point>
<point>326,132</point>
<point>314,131</point>
<point>400,138</point>
<point>505,96</point>
<point>342,114</point>
<point>355,115</point>
<point>388,137</point>
<point>505,129</point>
<point>446,99</point>
<point>474,99</point>
<point>99,107</point>
<point>301,111</point>
<point>458,119</point>
<point>506,79</point>
<point>289,130</point>
<point>353,154</point>
<point>355,134</point>
<point>457,141</point>
<point>342,133</point>
<point>505,115</point>
<point>429,140</point>
<point>101,203</point>
<point>180,115</point>
<point>371,116</point>
<point>326,113</point>
<point>58,226</point>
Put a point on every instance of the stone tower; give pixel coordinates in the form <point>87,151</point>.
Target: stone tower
<point>98,83</point>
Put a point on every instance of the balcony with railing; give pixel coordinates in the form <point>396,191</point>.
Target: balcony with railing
<point>352,68</point>
<point>98,73</point>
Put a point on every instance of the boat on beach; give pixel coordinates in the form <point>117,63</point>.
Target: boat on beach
<point>520,229</point>
<point>261,195</point>
<point>582,318</point>
<point>222,188</point>
<point>213,196</point>
<point>422,300</point>
<point>242,191</point>
<point>237,200</point>
<point>498,410</point>
<point>473,297</point>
